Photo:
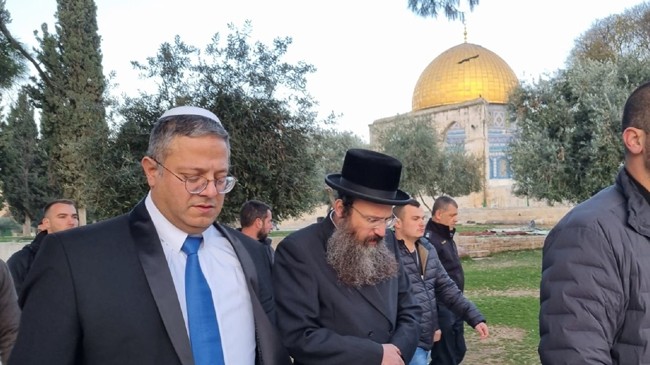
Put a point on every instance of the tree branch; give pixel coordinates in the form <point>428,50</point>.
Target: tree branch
<point>19,47</point>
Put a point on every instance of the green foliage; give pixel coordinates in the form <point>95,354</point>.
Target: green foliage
<point>7,226</point>
<point>617,36</point>
<point>568,144</point>
<point>329,146</point>
<point>432,8</point>
<point>71,99</point>
<point>11,64</point>
<point>22,162</point>
<point>428,169</point>
<point>262,102</point>
<point>569,140</point>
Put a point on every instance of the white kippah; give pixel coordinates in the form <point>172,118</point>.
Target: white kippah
<point>191,110</point>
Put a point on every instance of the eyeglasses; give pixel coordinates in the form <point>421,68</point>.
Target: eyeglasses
<point>196,184</point>
<point>374,222</point>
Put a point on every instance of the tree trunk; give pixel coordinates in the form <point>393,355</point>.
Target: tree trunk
<point>81,211</point>
<point>27,226</point>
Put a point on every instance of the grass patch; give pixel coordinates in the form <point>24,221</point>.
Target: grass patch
<point>513,318</point>
<point>4,239</point>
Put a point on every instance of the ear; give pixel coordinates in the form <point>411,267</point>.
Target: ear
<point>634,140</point>
<point>46,224</point>
<point>259,223</point>
<point>150,168</point>
<point>338,208</point>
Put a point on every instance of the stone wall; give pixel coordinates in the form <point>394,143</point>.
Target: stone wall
<point>481,246</point>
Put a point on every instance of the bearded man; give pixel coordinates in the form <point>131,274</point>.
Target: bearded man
<point>342,295</point>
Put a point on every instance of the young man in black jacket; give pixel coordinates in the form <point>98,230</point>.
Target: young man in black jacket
<point>430,283</point>
<point>58,215</point>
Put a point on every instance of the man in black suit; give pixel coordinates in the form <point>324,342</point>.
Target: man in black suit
<point>123,291</point>
<point>341,292</point>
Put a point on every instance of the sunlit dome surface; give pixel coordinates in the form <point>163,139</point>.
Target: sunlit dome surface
<point>461,73</point>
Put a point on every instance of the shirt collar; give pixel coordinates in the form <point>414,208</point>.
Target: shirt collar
<point>168,233</point>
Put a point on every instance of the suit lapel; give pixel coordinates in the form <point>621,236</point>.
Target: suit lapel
<point>246,262</point>
<point>156,270</point>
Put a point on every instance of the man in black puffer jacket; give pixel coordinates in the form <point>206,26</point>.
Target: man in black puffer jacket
<point>440,230</point>
<point>429,280</point>
<point>595,288</point>
<point>58,215</point>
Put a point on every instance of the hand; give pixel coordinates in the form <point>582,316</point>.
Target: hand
<point>437,335</point>
<point>482,330</point>
<point>392,355</point>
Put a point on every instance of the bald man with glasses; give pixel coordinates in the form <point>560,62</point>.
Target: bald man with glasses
<point>342,295</point>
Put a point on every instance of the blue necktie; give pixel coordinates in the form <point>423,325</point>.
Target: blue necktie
<point>201,317</point>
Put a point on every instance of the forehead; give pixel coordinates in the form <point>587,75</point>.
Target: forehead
<point>412,211</point>
<point>197,149</point>
<point>450,210</point>
<point>373,209</point>
<point>61,208</point>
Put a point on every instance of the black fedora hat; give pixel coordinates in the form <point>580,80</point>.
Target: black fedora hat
<point>370,176</point>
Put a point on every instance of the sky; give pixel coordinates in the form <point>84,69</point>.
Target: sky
<point>368,54</point>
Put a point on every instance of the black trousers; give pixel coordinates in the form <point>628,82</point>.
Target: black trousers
<point>450,350</point>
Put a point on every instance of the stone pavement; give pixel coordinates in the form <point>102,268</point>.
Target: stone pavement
<point>8,248</point>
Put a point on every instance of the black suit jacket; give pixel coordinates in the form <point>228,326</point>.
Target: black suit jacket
<point>323,321</point>
<point>103,294</point>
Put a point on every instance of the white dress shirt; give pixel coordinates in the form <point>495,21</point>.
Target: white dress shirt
<point>226,279</point>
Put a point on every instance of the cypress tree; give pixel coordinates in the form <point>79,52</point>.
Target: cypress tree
<point>22,164</point>
<point>71,98</point>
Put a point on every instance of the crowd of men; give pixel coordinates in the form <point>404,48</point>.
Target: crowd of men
<point>373,282</point>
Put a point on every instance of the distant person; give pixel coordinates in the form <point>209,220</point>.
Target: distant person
<point>595,286</point>
<point>440,230</point>
<point>58,215</point>
<point>163,284</point>
<point>430,283</point>
<point>256,220</point>
<point>342,294</point>
<point>9,313</point>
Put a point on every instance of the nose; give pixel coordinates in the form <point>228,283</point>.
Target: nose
<point>210,190</point>
<point>380,230</point>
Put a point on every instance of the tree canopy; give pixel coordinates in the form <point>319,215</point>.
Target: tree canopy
<point>329,146</point>
<point>429,168</point>
<point>70,94</point>
<point>569,126</point>
<point>22,162</point>
<point>433,8</point>
<point>261,100</point>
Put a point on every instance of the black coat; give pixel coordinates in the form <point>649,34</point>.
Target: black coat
<point>442,239</point>
<point>20,262</point>
<point>323,321</point>
<point>103,295</point>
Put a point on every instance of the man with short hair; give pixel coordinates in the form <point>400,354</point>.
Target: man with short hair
<point>440,230</point>
<point>341,292</point>
<point>256,220</point>
<point>58,215</point>
<point>430,283</point>
<point>595,266</point>
<point>163,284</point>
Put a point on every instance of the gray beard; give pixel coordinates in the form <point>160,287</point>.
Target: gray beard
<point>356,263</point>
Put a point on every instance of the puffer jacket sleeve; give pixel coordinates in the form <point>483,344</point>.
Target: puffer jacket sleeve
<point>581,297</point>
<point>448,294</point>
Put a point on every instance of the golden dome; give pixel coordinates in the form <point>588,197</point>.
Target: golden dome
<point>461,73</point>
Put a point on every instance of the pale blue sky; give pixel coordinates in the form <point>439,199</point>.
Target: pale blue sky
<point>369,54</point>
